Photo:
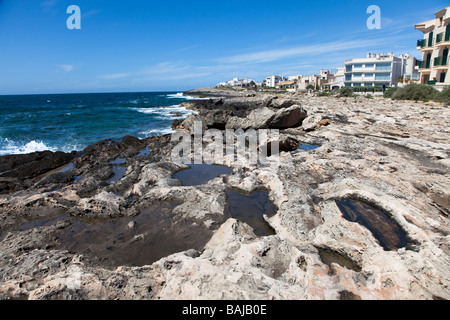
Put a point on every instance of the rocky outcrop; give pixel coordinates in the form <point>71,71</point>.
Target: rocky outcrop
<point>65,234</point>
<point>18,172</point>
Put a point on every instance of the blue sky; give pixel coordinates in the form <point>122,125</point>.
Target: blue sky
<point>179,45</point>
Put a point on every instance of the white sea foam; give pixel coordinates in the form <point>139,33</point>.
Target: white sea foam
<point>154,132</point>
<point>11,147</point>
<point>180,95</point>
<point>171,112</point>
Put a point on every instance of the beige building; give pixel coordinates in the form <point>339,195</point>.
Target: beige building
<point>314,81</point>
<point>434,67</point>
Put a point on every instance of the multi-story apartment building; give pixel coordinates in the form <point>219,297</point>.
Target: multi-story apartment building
<point>434,67</point>
<point>376,70</point>
<point>272,81</point>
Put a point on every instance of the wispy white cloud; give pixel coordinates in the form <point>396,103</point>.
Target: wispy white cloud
<point>165,68</point>
<point>164,71</point>
<point>114,76</point>
<point>185,49</point>
<point>49,3</point>
<point>66,67</point>
<point>277,54</point>
<point>90,13</point>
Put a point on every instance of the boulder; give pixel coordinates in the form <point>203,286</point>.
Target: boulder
<point>257,119</point>
<point>217,119</point>
<point>288,117</point>
<point>282,103</point>
<point>310,123</point>
<point>188,123</point>
<point>285,143</point>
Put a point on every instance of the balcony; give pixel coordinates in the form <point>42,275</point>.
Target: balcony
<point>424,66</point>
<point>444,39</point>
<point>424,45</point>
<point>441,63</point>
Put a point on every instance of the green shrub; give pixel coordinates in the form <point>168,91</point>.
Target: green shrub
<point>444,96</point>
<point>416,92</point>
<point>390,92</point>
<point>346,92</point>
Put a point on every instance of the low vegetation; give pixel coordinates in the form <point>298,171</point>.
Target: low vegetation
<point>346,92</point>
<point>418,92</point>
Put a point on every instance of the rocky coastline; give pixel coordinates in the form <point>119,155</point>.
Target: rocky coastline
<point>361,198</point>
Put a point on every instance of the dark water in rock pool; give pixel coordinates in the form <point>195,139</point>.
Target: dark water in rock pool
<point>250,208</point>
<point>134,241</point>
<point>198,174</point>
<point>387,231</point>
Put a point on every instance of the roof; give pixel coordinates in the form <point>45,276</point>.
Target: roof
<point>430,24</point>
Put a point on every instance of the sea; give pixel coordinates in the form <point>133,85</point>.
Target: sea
<point>67,122</point>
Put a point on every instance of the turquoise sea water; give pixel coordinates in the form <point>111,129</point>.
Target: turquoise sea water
<point>66,122</point>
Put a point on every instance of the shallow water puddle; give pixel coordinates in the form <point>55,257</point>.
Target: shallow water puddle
<point>199,174</point>
<point>328,257</point>
<point>250,208</point>
<point>33,224</point>
<point>135,241</point>
<point>144,153</point>
<point>69,167</point>
<point>308,147</point>
<point>119,170</point>
<point>388,233</point>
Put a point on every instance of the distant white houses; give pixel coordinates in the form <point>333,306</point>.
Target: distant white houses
<point>287,85</point>
<point>379,70</point>
<point>335,81</point>
<point>410,69</point>
<point>324,79</point>
<point>236,82</point>
<point>272,81</point>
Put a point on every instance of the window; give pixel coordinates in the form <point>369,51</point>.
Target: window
<point>357,75</point>
<point>368,84</point>
<point>348,77</point>
<point>369,66</point>
<point>383,76</point>
<point>368,75</point>
<point>357,84</point>
<point>348,68</point>
<point>383,66</point>
<point>358,66</point>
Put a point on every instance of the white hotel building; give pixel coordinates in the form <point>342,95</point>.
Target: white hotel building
<point>435,46</point>
<point>377,70</point>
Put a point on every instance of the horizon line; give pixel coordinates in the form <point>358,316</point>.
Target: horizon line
<point>102,92</point>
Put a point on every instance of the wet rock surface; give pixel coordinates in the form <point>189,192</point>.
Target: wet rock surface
<point>90,231</point>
